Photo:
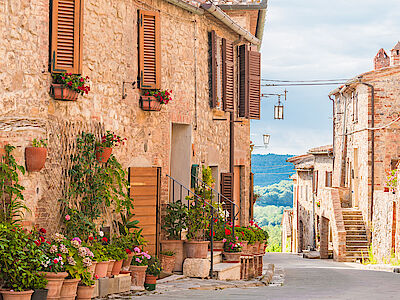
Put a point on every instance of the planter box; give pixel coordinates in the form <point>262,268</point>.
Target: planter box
<point>149,103</point>
<point>60,92</point>
<point>124,283</point>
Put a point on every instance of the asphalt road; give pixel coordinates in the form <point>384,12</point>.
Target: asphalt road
<point>307,279</point>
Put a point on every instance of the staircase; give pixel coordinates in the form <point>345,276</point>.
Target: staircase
<point>222,270</point>
<point>356,235</point>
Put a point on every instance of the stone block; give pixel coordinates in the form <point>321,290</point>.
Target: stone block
<point>96,289</point>
<point>196,267</point>
<point>103,287</point>
<point>124,283</point>
<point>113,285</point>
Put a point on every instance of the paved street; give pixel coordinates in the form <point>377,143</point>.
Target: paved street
<point>307,279</point>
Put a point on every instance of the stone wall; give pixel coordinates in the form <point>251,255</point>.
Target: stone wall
<point>110,58</point>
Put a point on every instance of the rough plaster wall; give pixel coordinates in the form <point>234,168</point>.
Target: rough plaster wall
<point>109,58</point>
<point>305,207</point>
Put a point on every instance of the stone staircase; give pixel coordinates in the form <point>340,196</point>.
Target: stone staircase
<point>356,235</point>
<point>224,271</point>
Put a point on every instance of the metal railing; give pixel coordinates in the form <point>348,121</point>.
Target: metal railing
<point>177,192</point>
<point>221,200</point>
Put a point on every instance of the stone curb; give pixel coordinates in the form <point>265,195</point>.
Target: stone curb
<point>268,274</point>
<point>227,286</point>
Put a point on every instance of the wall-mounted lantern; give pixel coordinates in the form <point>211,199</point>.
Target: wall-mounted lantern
<point>266,138</point>
<point>278,110</point>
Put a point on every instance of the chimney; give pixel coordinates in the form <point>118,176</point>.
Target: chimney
<point>381,60</point>
<point>396,55</point>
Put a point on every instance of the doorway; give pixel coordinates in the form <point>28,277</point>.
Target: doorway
<point>300,236</point>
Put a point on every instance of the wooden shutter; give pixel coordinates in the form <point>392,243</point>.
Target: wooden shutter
<point>243,81</point>
<point>149,50</point>
<point>328,179</point>
<point>227,75</point>
<point>254,84</point>
<point>227,191</point>
<point>213,69</point>
<point>315,182</point>
<point>66,36</point>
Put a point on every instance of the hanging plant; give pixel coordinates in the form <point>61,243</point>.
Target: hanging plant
<point>67,86</point>
<point>153,99</point>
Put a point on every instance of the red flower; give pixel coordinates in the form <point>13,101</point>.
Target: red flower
<point>128,251</point>
<point>42,230</point>
<point>42,239</point>
<point>48,242</point>
<point>91,238</point>
<point>210,233</point>
<point>59,254</point>
<point>104,239</point>
<point>227,231</point>
<point>55,261</point>
<point>37,243</point>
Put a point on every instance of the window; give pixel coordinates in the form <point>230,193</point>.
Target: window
<point>315,182</point>
<point>355,106</point>
<point>149,50</point>
<point>66,36</point>
<point>249,82</point>
<point>328,179</point>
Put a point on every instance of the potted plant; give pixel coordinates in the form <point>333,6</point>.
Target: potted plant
<point>19,261</point>
<point>35,157</point>
<point>100,256</point>
<point>174,223</point>
<point>128,242</point>
<point>248,239</point>
<point>391,181</point>
<point>167,261</point>
<point>198,219</point>
<point>152,272</point>
<point>139,266</point>
<point>116,254</point>
<point>151,100</point>
<point>85,287</point>
<point>67,86</point>
<point>221,231</point>
<point>232,250</point>
<point>104,148</point>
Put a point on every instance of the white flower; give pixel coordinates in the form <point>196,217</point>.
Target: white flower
<point>58,237</point>
<point>87,262</point>
<point>53,249</point>
<point>101,233</point>
<point>63,249</point>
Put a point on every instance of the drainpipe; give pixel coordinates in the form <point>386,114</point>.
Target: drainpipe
<point>372,145</point>
<point>343,166</point>
<point>232,161</point>
<point>333,130</point>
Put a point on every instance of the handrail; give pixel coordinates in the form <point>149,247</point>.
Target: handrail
<point>211,221</point>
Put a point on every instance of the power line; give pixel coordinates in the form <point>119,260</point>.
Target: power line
<point>316,80</point>
<point>304,84</point>
<point>289,173</point>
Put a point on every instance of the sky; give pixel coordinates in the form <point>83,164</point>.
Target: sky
<point>317,39</point>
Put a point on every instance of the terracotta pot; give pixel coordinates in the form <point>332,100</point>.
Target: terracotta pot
<point>92,268</point>
<point>262,249</point>
<point>60,92</point>
<point>149,103</point>
<point>68,290</point>
<point>218,245</point>
<point>245,248</point>
<point>232,257</point>
<point>101,269</point>
<point>177,247</point>
<point>197,249</point>
<point>167,263</point>
<point>117,267</point>
<point>85,292</point>
<point>8,295</point>
<point>150,279</point>
<point>40,294</point>
<point>103,154</point>
<point>138,274</point>
<point>127,262</point>
<point>54,284</point>
<point>35,158</point>
<point>110,267</point>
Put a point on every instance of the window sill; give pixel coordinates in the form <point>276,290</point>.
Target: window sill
<point>219,115</point>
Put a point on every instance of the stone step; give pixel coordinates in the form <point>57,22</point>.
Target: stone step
<point>353,259</point>
<point>360,249</point>
<point>355,243</point>
<point>357,253</point>
<point>352,217</point>
<point>351,212</point>
<point>354,227</point>
<point>227,271</point>
<point>217,257</point>
<point>356,233</point>
<point>353,222</point>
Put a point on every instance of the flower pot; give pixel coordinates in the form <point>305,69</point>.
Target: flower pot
<point>103,154</point>
<point>110,267</point>
<point>149,103</point>
<point>150,282</point>
<point>245,248</point>
<point>197,249</point>
<point>92,268</point>
<point>127,262</point>
<point>177,247</point>
<point>117,267</point>
<point>232,257</point>
<point>138,274</point>
<point>54,284</point>
<point>35,158</point>
<point>218,245</point>
<point>9,295</point>
<point>68,290</point>
<point>261,249</point>
<point>60,92</point>
<point>40,294</point>
<point>101,269</point>
<point>84,292</point>
<point>167,263</point>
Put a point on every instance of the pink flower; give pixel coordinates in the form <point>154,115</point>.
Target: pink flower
<point>136,249</point>
<point>96,276</point>
<point>138,260</point>
<point>67,217</point>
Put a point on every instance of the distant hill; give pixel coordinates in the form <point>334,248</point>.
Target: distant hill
<point>270,169</point>
<point>279,194</point>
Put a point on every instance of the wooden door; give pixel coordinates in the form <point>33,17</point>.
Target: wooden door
<point>356,178</point>
<point>145,187</point>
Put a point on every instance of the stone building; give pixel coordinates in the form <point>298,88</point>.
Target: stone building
<point>206,53</point>
<point>313,174</point>
<point>286,225</point>
<point>366,148</point>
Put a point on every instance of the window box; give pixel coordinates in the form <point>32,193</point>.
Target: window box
<point>149,103</point>
<point>60,92</point>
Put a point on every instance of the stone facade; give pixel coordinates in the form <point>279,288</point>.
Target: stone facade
<point>287,226</point>
<point>110,55</point>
